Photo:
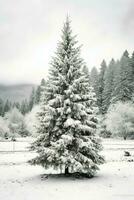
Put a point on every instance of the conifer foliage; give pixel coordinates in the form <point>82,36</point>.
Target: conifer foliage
<point>124,88</point>
<point>101,80</point>
<point>94,75</point>
<point>108,85</point>
<point>67,119</point>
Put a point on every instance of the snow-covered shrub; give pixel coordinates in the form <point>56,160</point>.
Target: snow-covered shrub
<point>31,120</point>
<point>4,130</point>
<point>23,131</point>
<point>120,119</point>
<point>102,129</point>
<point>14,120</point>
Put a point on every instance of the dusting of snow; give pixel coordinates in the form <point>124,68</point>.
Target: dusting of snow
<point>22,181</point>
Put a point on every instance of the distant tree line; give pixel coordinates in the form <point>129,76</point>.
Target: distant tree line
<point>19,119</point>
<point>113,85</point>
<point>113,82</point>
<point>26,105</point>
<point>114,88</point>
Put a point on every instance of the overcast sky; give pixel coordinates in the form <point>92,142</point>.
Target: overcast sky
<point>30,30</point>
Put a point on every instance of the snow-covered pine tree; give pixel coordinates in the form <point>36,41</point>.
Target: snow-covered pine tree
<point>132,67</point>
<point>37,95</point>
<point>91,91</point>
<point>94,79</point>
<point>39,91</point>
<point>7,107</point>
<point>32,99</point>
<point>24,108</point>
<point>42,86</point>
<point>1,107</point>
<point>124,87</point>
<point>67,127</point>
<point>86,72</point>
<point>101,86</point>
<point>108,85</point>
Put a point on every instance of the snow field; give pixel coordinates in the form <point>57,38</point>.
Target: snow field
<point>24,182</point>
<point>20,181</point>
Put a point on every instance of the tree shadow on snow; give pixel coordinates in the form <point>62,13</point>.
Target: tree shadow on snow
<point>65,176</point>
<point>62,177</point>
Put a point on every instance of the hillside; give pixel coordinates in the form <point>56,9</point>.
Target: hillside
<point>16,92</point>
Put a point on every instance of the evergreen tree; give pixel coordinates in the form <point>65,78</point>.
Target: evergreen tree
<point>24,108</point>
<point>124,85</point>
<point>38,95</point>
<point>87,74</point>
<point>42,87</point>
<point>108,85</point>
<point>101,86</point>
<point>132,67</point>
<point>17,105</point>
<point>32,99</point>
<point>1,107</point>
<point>91,89</point>
<point>94,80</point>
<point>67,127</point>
<point>7,107</point>
<point>39,91</point>
<point>43,83</point>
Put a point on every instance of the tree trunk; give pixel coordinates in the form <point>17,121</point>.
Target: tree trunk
<point>66,171</point>
<point>125,137</point>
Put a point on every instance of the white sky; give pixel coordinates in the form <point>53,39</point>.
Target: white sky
<point>30,30</point>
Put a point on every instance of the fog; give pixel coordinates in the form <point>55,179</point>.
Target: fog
<point>30,30</point>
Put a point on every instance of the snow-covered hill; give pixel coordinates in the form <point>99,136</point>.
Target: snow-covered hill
<point>16,92</point>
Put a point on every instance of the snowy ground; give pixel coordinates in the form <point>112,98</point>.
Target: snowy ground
<point>19,181</point>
